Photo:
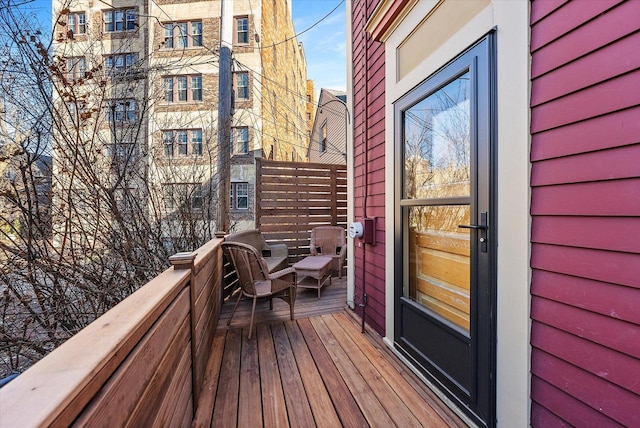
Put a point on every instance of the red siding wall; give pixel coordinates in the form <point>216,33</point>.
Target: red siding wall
<point>369,172</point>
<point>585,206</point>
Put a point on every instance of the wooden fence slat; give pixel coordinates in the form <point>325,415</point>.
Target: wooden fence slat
<point>115,402</point>
<point>169,405</point>
<point>204,409</point>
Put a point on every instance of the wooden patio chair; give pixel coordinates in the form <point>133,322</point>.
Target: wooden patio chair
<point>255,279</point>
<point>330,241</point>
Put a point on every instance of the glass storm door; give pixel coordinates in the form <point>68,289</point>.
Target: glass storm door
<point>445,246</point>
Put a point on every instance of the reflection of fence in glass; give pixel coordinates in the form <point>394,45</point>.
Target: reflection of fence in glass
<point>439,277</point>
<point>437,141</point>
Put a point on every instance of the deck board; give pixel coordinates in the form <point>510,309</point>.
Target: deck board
<point>273,403</point>
<point>250,401</point>
<point>323,411</point>
<point>225,409</point>
<point>318,370</point>
<point>389,399</point>
<point>298,407</point>
<point>346,407</point>
<point>360,388</point>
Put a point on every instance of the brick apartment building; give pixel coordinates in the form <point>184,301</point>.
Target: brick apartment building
<point>145,73</point>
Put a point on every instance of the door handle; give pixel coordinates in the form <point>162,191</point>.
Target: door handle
<point>472,226</point>
<point>482,227</point>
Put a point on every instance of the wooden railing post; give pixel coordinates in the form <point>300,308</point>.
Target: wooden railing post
<point>183,261</point>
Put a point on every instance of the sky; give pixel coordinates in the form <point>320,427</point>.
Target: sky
<point>324,44</point>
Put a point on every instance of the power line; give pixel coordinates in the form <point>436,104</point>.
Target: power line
<point>305,30</point>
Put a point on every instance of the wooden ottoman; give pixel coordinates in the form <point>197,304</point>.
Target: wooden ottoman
<point>313,272</point>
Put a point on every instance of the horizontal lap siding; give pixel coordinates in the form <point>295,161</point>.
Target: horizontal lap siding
<point>369,162</point>
<point>585,207</point>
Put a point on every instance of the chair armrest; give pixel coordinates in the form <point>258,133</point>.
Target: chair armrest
<point>279,274</point>
<point>343,251</point>
<point>282,279</point>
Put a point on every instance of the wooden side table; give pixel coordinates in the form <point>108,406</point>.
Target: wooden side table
<point>313,271</point>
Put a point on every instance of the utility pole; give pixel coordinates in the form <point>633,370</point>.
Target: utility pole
<point>224,116</point>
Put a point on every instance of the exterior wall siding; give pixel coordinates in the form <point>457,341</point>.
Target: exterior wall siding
<point>369,171</point>
<point>585,207</point>
<point>332,114</point>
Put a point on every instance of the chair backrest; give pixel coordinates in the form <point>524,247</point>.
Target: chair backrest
<point>251,237</point>
<point>329,238</point>
<point>249,265</point>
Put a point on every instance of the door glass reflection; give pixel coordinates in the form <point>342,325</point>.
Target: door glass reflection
<point>439,268</point>
<point>437,141</point>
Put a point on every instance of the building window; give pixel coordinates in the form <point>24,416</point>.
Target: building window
<point>167,193</point>
<point>121,154</point>
<point>182,34</point>
<point>242,30</point>
<point>176,142</point>
<point>242,85</point>
<point>239,196</point>
<point>196,88</point>
<point>182,196</point>
<point>323,138</point>
<point>182,88</point>
<point>196,33</point>
<point>168,36</point>
<point>76,68</point>
<point>118,64</point>
<point>183,142</point>
<point>77,111</point>
<point>240,140</point>
<point>196,142</point>
<point>119,20</point>
<point>131,19</point>
<point>196,196</point>
<point>77,23</point>
<point>121,111</point>
<point>167,141</point>
<point>168,89</point>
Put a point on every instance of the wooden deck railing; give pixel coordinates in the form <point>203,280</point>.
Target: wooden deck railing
<point>140,364</point>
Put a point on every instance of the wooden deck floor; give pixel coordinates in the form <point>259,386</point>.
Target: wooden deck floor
<point>318,370</point>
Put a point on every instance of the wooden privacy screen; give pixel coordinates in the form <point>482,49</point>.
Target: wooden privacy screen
<point>294,197</point>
